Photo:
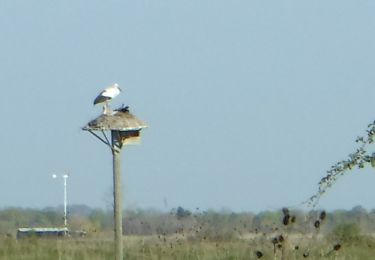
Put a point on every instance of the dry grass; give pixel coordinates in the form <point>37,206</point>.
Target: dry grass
<point>177,247</point>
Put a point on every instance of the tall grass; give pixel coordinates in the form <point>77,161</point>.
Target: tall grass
<point>175,247</point>
<point>287,236</point>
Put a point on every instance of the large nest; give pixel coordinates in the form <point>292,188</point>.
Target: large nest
<point>120,119</point>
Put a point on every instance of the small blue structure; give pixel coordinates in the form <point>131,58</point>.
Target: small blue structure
<point>42,232</point>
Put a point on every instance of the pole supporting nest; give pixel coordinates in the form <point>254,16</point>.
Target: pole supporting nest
<point>125,128</point>
<point>117,194</point>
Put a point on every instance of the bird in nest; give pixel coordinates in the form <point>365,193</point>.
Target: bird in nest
<point>123,109</point>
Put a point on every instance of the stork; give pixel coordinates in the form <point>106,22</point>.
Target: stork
<point>106,96</point>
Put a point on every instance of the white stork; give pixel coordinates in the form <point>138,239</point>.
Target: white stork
<point>106,96</point>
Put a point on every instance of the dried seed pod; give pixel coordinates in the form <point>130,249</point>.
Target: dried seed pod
<point>317,224</point>
<point>280,238</point>
<point>286,220</point>
<point>337,247</point>
<point>293,219</point>
<point>275,240</point>
<point>258,254</point>
<point>306,254</point>
<point>322,215</point>
<point>296,247</point>
<point>285,211</point>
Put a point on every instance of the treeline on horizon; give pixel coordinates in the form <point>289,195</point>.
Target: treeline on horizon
<point>208,224</point>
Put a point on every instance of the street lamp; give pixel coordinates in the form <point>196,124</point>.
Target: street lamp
<point>65,177</point>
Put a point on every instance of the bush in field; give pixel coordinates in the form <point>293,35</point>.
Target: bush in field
<point>182,213</point>
<point>346,233</point>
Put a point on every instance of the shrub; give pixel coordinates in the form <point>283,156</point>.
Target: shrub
<point>347,232</point>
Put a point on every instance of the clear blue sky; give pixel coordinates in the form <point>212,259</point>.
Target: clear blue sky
<point>248,102</point>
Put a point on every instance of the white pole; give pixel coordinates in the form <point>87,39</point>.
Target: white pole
<point>65,176</point>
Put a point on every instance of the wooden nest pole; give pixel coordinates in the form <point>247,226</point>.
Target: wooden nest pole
<point>125,129</point>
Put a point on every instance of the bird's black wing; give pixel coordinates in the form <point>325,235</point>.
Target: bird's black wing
<point>101,99</point>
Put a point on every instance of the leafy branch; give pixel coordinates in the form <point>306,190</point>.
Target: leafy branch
<point>359,159</point>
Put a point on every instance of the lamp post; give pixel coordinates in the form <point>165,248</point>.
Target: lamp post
<point>65,177</point>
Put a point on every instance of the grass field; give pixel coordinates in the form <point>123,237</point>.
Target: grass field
<point>177,247</point>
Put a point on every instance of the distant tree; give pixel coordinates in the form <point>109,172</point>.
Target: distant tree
<point>100,219</point>
<point>347,233</point>
<point>267,220</point>
<point>182,213</point>
<point>54,218</point>
<point>77,222</point>
<point>359,215</point>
